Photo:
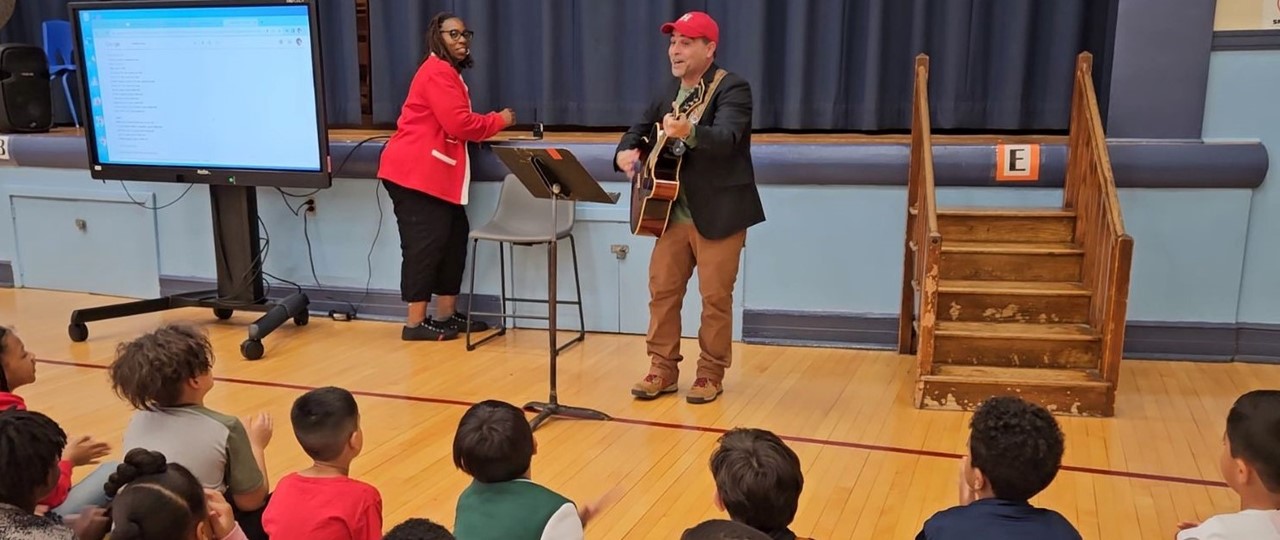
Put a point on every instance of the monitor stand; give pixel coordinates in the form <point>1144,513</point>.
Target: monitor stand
<point>238,254</point>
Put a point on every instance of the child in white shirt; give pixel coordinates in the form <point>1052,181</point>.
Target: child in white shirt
<point>1251,467</point>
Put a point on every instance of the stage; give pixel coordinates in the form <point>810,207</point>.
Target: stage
<point>875,466</point>
<point>786,159</point>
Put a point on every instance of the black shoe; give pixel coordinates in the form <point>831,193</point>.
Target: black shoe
<point>458,323</point>
<point>428,330</point>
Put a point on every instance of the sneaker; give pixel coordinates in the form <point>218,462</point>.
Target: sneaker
<point>652,386</point>
<point>704,390</point>
<point>428,330</point>
<point>458,323</point>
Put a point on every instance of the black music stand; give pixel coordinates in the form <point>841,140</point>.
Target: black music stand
<point>556,175</point>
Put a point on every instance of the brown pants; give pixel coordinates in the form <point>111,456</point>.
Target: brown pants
<point>678,251</point>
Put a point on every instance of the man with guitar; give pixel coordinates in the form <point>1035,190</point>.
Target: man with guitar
<point>695,139</point>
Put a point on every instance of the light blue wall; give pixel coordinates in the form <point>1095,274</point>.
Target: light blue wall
<point>1189,247</point>
<point>1208,255</point>
<point>1244,102</point>
<point>823,248</point>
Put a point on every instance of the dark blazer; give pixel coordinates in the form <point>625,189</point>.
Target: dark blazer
<point>717,175</point>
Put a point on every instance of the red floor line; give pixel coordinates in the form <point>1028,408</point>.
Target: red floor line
<point>702,429</point>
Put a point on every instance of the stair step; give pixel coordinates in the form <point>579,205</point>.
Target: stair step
<point>1013,301</point>
<point>1005,211</point>
<point>1013,288</point>
<point>1011,261</point>
<point>1012,248</point>
<point>1062,391</point>
<point>1062,346</point>
<point>1007,224</point>
<point>1051,332</point>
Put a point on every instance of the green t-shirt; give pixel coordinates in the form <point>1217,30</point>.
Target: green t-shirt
<point>680,210</point>
<point>213,446</point>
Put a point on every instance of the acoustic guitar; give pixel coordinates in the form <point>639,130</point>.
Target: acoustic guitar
<point>657,183</point>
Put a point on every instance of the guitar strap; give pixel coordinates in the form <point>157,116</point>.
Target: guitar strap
<point>696,113</point>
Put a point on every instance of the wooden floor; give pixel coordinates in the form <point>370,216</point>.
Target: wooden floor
<point>874,466</point>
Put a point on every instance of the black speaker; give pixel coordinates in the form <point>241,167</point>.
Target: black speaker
<point>26,105</point>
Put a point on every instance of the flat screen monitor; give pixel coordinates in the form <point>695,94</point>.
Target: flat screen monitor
<point>217,92</point>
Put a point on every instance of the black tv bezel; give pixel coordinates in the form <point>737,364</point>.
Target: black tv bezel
<point>322,178</point>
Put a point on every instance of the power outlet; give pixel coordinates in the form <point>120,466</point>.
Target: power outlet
<point>310,205</point>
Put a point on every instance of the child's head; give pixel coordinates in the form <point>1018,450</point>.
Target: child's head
<point>326,422</point>
<point>719,529</point>
<point>17,365</point>
<point>1015,449</point>
<point>1251,450</point>
<point>758,479</point>
<point>154,499</point>
<point>30,446</point>
<point>494,442</point>
<point>418,529</point>
<point>171,366</point>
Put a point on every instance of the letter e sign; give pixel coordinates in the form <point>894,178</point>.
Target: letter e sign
<point>1017,162</point>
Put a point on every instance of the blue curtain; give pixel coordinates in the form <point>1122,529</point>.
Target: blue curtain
<point>341,62</point>
<point>813,64</point>
<point>338,48</point>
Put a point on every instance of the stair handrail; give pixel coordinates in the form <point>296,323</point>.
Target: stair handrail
<point>923,238</point>
<point>1090,190</point>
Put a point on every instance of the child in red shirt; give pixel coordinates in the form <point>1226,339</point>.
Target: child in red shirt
<point>18,368</point>
<point>322,502</point>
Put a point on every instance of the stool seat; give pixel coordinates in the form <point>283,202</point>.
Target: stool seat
<point>495,231</point>
<point>523,220</point>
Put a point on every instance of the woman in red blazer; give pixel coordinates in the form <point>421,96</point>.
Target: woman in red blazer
<point>427,173</point>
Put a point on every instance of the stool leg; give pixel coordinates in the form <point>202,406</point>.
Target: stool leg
<point>577,284</point>
<point>502,279</point>
<point>515,306</point>
<point>471,295</point>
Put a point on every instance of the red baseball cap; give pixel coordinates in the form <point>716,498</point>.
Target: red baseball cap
<point>694,24</point>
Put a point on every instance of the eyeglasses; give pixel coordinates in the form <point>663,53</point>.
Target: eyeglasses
<point>454,34</point>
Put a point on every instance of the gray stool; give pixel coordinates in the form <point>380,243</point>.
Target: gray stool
<point>521,220</point>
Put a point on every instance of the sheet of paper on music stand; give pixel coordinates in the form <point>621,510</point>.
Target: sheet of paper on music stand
<point>576,184</point>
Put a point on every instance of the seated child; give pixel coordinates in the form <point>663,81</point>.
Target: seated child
<point>1015,449</point>
<point>418,529</point>
<point>322,502</point>
<point>722,529</point>
<point>157,500</point>
<point>18,368</point>
<point>1251,466</point>
<point>30,444</point>
<point>495,446</point>
<point>758,481</point>
<point>166,375</point>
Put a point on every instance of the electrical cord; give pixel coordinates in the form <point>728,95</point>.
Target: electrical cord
<point>160,207</point>
<point>300,211</point>
<point>377,199</point>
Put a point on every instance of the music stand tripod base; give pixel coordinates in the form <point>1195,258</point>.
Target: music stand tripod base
<point>546,410</point>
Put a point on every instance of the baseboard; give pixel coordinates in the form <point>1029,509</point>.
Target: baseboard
<point>1144,340</point>
<point>820,328</point>
<point>1258,343</point>
<point>1160,340</point>
<point>379,304</point>
<point>6,274</point>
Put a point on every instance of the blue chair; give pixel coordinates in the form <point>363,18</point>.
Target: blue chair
<point>59,47</point>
